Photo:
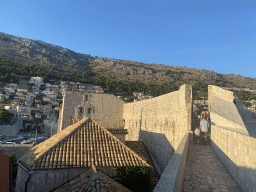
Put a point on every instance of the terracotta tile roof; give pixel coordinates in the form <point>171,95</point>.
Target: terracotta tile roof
<point>92,180</point>
<point>118,131</point>
<point>80,145</point>
<point>139,148</point>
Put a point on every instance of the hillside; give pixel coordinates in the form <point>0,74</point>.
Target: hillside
<point>61,62</point>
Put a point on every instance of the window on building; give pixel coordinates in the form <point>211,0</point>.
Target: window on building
<point>81,109</point>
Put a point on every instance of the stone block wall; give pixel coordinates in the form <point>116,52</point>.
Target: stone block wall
<point>215,91</point>
<point>231,139</point>
<point>173,176</point>
<point>223,111</point>
<point>107,109</point>
<point>21,179</point>
<point>12,130</point>
<point>160,122</point>
<point>44,180</point>
<point>238,153</point>
<point>240,108</point>
<point>251,128</point>
<point>17,149</point>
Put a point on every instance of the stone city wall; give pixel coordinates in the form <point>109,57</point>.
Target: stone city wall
<point>18,149</point>
<point>107,109</point>
<point>160,123</point>
<point>214,91</point>
<point>230,138</point>
<point>249,121</point>
<point>238,153</point>
<point>251,128</point>
<point>223,111</point>
<point>11,130</point>
<point>173,175</point>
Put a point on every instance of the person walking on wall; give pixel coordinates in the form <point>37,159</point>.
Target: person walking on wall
<point>204,125</point>
<point>197,134</point>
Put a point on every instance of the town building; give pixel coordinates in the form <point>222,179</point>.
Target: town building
<point>36,80</point>
<point>23,110</point>
<point>61,157</point>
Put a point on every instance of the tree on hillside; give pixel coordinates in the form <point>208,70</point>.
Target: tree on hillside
<point>5,115</point>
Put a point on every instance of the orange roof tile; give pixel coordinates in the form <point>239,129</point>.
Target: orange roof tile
<point>83,144</point>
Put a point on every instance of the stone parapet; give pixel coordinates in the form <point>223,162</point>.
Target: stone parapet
<point>160,122</point>
<point>238,153</point>
<point>215,91</point>
<point>231,138</point>
<point>173,175</point>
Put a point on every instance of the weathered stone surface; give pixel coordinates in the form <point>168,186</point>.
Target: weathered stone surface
<point>205,172</point>
<point>230,140</point>
<point>107,109</point>
<point>160,123</point>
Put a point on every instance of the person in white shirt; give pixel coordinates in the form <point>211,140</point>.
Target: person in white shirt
<point>197,134</point>
<point>204,125</point>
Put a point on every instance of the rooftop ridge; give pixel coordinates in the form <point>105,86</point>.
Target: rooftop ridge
<point>74,147</point>
<point>91,180</point>
<point>39,150</point>
<point>120,142</point>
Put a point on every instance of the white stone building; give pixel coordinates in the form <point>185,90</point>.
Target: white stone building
<point>35,80</point>
<point>23,110</point>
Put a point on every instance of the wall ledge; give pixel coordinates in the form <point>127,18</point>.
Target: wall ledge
<point>173,175</point>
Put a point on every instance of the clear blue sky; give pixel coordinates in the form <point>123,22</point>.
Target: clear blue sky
<point>218,35</point>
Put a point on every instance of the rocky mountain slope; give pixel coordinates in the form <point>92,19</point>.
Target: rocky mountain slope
<point>60,59</point>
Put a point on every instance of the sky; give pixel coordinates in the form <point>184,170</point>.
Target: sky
<point>217,35</point>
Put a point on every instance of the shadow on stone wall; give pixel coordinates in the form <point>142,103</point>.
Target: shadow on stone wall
<point>159,147</point>
<point>244,176</point>
<point>251,128</point>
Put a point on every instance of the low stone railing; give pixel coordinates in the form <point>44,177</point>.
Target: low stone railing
<point>173,175</point>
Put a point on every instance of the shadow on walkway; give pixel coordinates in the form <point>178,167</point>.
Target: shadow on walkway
<point>205,172</point>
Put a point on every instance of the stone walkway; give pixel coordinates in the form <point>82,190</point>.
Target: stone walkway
<point>205,172</point>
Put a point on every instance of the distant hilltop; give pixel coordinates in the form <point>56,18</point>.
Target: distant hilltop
<point>13,48</point>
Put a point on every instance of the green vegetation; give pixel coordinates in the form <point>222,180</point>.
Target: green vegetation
<point>11,71</point>
<point>135,178</point>
<point>126,88</point>
<point>220,82</point>
<point>200,91</point>
<point>5,115</point>
<point>56,113</point>
<point>172,73</point>
<point>110,85</point>
<point>14,166</point>
<point>244,95</point>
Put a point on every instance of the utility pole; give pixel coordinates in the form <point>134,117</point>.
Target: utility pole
<point>52,127</point>
<point>36,135</point>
